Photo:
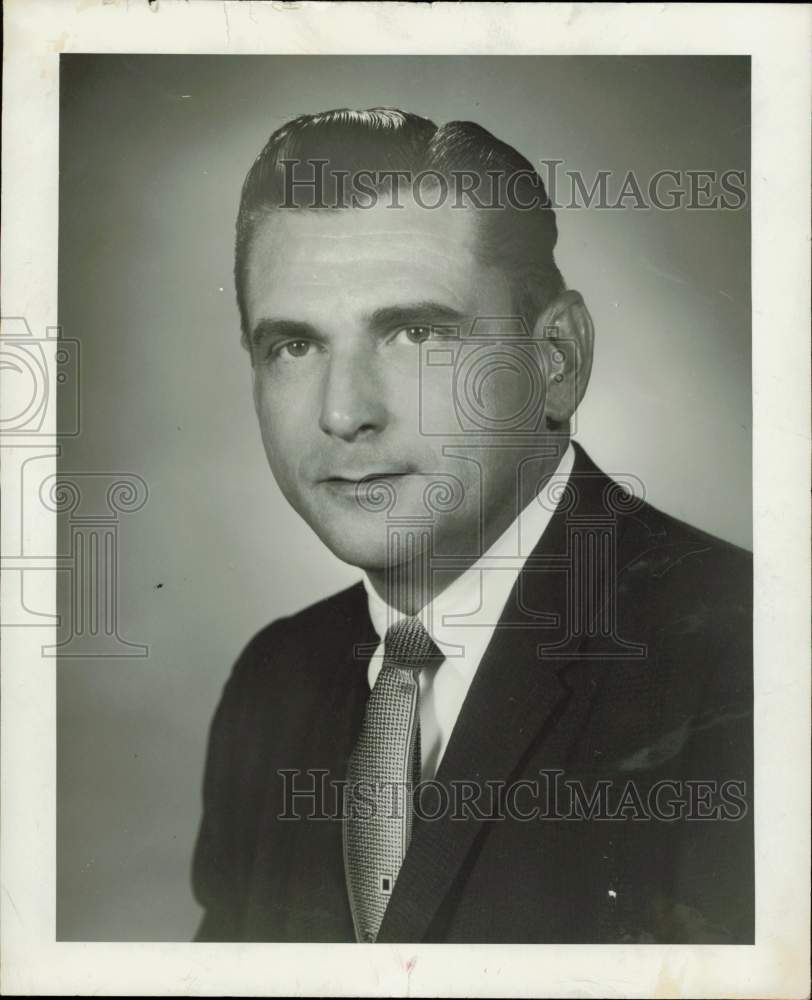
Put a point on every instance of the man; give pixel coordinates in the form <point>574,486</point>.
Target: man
<point>532,720</point>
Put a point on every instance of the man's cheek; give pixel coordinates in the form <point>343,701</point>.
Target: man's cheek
<point>282,449</point>
<point>275,418</point>
<point>436,410</point>
<point>291,487</point>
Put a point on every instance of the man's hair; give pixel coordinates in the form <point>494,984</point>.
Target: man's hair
<point>334,145</point>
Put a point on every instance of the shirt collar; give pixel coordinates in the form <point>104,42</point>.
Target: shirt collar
<point>462,618</point>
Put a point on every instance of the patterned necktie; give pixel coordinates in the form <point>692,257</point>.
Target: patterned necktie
<point>383,768</point>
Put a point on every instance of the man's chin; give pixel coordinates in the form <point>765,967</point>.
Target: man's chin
<point>369,539</point>
<point>359,540</point>
<point>372,549</point>
<point>367,554</point>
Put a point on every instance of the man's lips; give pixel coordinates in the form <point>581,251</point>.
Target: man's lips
<point>365,477</point>
<point>366,487</point>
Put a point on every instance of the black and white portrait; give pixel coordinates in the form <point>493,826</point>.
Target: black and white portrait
<point>406,561</point>
<point>530,717</point>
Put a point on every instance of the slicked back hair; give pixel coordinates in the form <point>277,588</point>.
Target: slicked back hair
<point>334,145</point>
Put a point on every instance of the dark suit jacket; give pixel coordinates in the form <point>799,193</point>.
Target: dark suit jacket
<point>623,656</point>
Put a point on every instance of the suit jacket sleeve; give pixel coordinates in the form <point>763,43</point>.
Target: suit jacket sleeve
<point>218,878</point>
<point>698,877</point>
<point>713,896</point>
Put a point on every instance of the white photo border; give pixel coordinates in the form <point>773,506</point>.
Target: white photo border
<point>777,39</point>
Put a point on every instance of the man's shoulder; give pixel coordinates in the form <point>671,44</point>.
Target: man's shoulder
<point>656,551</point>
<point>677,591</point>
<point>308,636</point>
<point>677,683</point>
<point>661,553</point>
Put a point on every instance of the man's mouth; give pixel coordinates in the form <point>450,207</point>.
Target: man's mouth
<point>365,476</point>
<point>367,487</point>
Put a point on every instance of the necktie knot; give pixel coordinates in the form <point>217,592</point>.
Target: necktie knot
<point>408,645</point>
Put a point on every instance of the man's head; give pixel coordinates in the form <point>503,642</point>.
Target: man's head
<point>410,335</point>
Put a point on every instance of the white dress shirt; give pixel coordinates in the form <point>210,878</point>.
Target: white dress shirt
<point>462,618</point>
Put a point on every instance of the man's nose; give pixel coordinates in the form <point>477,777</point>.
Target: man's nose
<point>352,398</point>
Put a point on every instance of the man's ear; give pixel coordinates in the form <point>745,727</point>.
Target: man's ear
<point>566,333</point>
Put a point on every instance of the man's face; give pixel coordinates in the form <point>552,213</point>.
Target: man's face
<point>355,420</point>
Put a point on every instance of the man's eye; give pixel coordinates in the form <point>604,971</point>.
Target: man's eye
<point>416,334</point>
<point>292,349</point>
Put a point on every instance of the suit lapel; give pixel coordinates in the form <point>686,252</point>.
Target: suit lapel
<point>520,698</point>
<point>297,884</point>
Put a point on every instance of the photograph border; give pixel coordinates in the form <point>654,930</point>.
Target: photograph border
<point>36,33</point>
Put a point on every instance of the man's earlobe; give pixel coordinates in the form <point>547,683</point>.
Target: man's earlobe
<point>566,331</point>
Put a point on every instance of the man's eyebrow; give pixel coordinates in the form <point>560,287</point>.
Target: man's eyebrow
<point>266,328</point>
<point>381,319</point>
<point>413,313</point>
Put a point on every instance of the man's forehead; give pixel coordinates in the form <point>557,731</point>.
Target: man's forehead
<point>329,233</point>
<point>358,252</point>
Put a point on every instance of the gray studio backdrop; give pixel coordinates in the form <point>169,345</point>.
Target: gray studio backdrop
<point>153,153</point>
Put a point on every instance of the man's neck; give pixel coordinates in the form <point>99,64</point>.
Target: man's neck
<point>411,585</point>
